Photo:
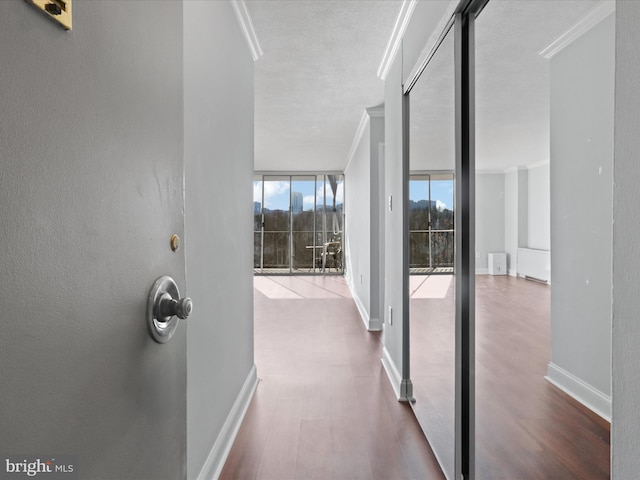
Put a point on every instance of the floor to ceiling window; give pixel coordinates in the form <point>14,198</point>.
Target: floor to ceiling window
<point>431,238</point>
<point>298,223</point>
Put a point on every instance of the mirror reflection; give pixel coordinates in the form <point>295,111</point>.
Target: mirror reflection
<point>544,144</point>
<point>431,255</point>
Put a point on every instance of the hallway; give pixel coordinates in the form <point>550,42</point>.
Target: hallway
<point>324,407</point>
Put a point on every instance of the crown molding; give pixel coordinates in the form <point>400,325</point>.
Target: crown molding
<point>539,164</point>
<point>364,121</point>
<point>590,20</point>
<point>376,112</point>
<point>242,14</point>
<point>517,168</point>
<point>395,40</point>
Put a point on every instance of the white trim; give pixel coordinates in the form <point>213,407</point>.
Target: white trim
<point>590,20</point>
<point>376,112</point>
<point>392,373</point>
<point>491,172</point>
<point>218,454</point>
<point>364,121</point>
<point>587,395</point>
<point>242,14</point>
<point>431,44</point>
<point>395,40</point>
<point>372,325</point>
<point>544,163</point>
<point>482,271</point>
<point>515,169</point>
<point>513,273</point>
<point>375,325</point>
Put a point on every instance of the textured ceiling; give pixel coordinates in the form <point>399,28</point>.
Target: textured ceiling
<point>318,74</point>
<point>316,77</point>
<point>512,87</point>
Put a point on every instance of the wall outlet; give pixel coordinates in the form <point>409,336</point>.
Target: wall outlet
<point>390,316</point>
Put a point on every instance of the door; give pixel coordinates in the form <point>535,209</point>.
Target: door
<point>91,190</point>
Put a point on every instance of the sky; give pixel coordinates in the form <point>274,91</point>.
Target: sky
<point>441,192</point>
<point>276,193</point>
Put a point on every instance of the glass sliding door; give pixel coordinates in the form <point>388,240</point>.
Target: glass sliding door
<point>303,199</point>
<point>334,212</point>
<point>441,227</point>
<point>419,223</point>
<point>298,223</point>
<point>258,221</point>
<point>431,239</point>
<point>276,210</point>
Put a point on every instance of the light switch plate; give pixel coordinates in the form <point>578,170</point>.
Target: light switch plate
<point>58,10</point>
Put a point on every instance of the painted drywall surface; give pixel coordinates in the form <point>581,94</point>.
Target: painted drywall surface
<point>582,107</point>
<point>358,237</point>
<point>91,189</point>
<point>523,207</point>
<point>218,105</point>
<point>490,217</point>
<point>393,240</point>
<point>426,24</point>
<point>511,219</point>
<point>376,126</point>
<point>625,442</point>
<point>539,208</point>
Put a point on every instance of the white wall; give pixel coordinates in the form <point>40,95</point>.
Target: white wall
<point>363,225</point>
<point>511,220</point>
<point>376,126</point>
<point>394,227</point>
<point>218,129</point>
<point>539,208</point>
<point>625,441</point>
<point>582,109</point>
<point>490,217</point>
<point>357,239</point>
<point>523,207</point>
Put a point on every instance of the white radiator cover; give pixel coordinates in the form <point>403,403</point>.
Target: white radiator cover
<point>534,264</point>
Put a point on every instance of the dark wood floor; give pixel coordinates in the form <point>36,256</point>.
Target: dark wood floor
<point>324,408</point>
<point>525,427</point>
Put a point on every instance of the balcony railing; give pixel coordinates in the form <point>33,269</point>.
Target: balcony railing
<point>274,250</point>
<point>431,251</point>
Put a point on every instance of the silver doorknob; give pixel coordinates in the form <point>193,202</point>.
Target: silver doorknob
<point>163,307</point>
<point>180,308</point>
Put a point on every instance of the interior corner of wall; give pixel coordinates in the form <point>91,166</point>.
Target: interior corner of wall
<point>214,463</point>
<point>393,374</point>
<point>589,396</point>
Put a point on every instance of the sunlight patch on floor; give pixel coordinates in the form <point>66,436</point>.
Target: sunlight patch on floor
<point>272,289</point>
<point>433,286</point>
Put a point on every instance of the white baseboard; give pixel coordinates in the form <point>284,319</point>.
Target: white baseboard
<point>590,397</point>
<point>218,455</point>
<point>392,373</point>
<point>513,273</point>
<point>375,325</point>
<point>371,324</point>
<point>482,271</point>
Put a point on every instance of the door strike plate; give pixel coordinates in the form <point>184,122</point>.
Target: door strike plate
<point>58,10</point>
